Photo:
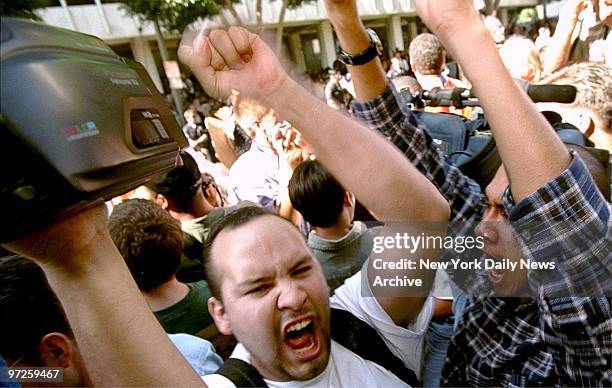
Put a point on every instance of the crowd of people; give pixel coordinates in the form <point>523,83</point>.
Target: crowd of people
<point>252,262</point>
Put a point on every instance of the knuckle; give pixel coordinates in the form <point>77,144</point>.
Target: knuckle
<point>216,34</point>
<point>217,63</point>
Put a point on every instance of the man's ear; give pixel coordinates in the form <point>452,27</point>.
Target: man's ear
<point>582,119</point>
<point>56,350</point>
<point>349,199</point>
<point>218,313</point>
<point>588,128</point>
<point>162,201</point>
<point>210,193</point>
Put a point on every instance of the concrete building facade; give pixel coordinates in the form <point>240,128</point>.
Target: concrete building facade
<point>308,36</point>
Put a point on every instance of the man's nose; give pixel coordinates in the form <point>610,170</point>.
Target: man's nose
<point>486,228</point>
<point>291,297</point>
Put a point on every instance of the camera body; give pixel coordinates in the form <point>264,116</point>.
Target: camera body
<point>79,125</point>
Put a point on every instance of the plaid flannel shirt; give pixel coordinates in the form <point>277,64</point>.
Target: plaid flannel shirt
<point>555,339</point>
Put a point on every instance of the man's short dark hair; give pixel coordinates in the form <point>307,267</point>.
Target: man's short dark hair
<point>29,310</point>
<point>149,239</point>
<point>339,67</point>
<point>232,220</point>
<point>316,194</point>
<point>426,54</point>
<point>180,184</point>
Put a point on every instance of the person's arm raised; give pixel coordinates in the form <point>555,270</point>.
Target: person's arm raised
<point>362,160</point>
<point>558,51</point>
<point>531,151</point>
<point>222,145</point>
<point>118,337</point>
<point>386,183</point>
<point>369,79</point>
<point>381,108</point>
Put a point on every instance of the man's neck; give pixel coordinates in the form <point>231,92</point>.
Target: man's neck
<point>334,232</point>
<point>428,81</point>
<point>273,375</point>
<point>200,208</point>
<point>166,295</point>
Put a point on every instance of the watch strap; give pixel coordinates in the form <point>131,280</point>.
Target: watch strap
<point>366,55</point>
<point>362,58</point>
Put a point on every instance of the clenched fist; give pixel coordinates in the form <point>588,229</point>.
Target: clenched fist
<point>233,60</point>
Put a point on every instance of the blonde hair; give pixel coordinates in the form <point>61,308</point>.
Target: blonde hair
<point>593,81</point>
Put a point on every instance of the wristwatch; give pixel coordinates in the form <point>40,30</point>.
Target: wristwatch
<point>366,55</point>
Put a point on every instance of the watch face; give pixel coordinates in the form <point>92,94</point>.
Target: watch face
<point>375,41</point>
<point>345,58</point>
<point>379,48</point>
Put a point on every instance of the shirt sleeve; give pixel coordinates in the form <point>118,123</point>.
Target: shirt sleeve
<point>401,126</point>
<point>567,223</point>
<point>566,226</point>
<point>385,114</point>
<point>198,352</point>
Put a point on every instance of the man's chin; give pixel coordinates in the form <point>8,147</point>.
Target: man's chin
<point>501,292</point>
<point>507,290</point>
<point>310,369</point>
<point>309,364</point>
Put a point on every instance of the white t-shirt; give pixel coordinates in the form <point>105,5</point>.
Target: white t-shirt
<point>355,296</point>
<point>345,368</point>
<point>441,287</point>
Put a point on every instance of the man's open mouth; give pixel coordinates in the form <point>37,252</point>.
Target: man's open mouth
<point>301,338</point>
<point>496,275</point>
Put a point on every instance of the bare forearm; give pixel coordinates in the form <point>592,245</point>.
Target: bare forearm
<point>121,341</point>
<point>222,145</point>
<point>531,151</point>
<point>369,79</point>
<point>558,51</point>
<point>386,183</point>
<point>362,160</point>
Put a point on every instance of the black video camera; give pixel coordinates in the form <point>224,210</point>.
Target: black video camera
<point>78,125</point>
<point>469,144</point>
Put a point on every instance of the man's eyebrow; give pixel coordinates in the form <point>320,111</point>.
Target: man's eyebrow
<point>491,201</point>
<point>302,261</point>
<point>253,281</point>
